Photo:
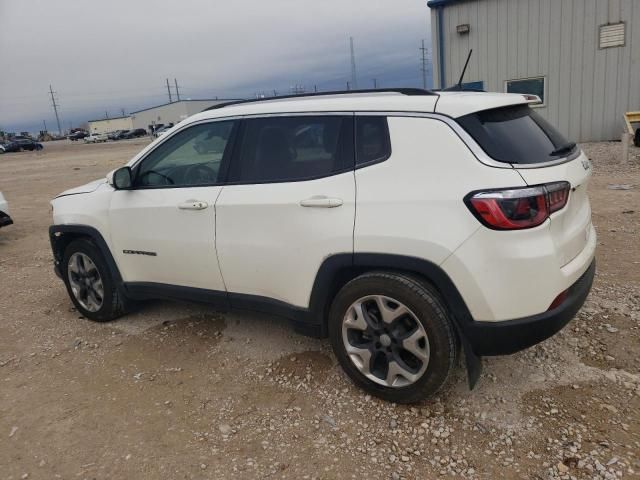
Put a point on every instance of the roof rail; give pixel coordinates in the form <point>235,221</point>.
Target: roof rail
<point>402,91</point>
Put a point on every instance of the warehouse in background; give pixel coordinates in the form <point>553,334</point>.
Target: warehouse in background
<point>170,113</point>
<point>107,125</point>
<point>581,57</point>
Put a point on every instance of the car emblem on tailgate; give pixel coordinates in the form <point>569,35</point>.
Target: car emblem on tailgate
<point>586,164</point>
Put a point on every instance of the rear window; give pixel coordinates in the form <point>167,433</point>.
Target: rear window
<point>516,134</point>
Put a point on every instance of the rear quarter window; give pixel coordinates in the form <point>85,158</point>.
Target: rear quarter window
<point>516,134</point>
<point>372,140</point>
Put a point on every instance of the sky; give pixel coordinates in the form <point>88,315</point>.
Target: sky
<point>105,57</point>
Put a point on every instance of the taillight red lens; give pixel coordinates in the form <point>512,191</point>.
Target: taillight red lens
<point>518,208</point>
<point>558,195</point>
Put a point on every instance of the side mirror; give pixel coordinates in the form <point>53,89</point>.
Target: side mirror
<point>121,179</point>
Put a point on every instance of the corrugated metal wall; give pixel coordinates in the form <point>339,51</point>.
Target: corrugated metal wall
<point>588,89</point>
<point>170,113</point>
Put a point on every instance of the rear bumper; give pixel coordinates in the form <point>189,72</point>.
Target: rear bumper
<point>510,336</point>
<point>5,219</point>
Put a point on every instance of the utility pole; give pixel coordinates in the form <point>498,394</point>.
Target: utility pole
<point>348,85</point>
<point>354,79</point>
<point>106,115</point>
<point>169,91</point>
<point>315,88</point>
<point>297,89</point>
<point>123,114</point>
<point>45,125</point>
<point>177,91</point>
<point>55,109</point>
<point>424,65</point>
<point>375,83</point>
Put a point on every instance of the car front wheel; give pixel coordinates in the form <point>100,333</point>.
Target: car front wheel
<point>90,284</point>
<point>392,336</point>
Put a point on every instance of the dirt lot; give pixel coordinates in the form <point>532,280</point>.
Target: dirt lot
<point>178,391</point>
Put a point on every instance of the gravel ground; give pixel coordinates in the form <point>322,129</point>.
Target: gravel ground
<point>177,391</point>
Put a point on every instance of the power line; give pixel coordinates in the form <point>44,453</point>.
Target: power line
<point>169,91</point>
<point>55,109</point>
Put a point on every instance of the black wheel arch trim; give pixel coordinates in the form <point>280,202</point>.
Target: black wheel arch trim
<point>59,238</point>
<point>324,285</point>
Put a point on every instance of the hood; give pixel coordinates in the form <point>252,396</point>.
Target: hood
<point>88,188</point>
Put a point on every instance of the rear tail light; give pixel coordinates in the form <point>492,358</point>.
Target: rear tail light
<point>518,208</point>
<point>558,194</point>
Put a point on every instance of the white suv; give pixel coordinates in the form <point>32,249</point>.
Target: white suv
<point>5,218</point>
<point>403,224</point>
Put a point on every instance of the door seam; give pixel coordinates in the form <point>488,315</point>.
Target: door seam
<point>215,238</point>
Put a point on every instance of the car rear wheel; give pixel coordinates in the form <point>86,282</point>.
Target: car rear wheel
<point>392,336</point>
<point>90,284</point>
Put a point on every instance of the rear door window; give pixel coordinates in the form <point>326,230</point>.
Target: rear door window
<point>285,149</point>
<point>516,134</point>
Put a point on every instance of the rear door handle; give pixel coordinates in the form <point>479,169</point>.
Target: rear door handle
<point>320,201</point>
<point>193,205</point>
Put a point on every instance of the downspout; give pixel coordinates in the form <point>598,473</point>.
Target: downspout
<point>440,11</point>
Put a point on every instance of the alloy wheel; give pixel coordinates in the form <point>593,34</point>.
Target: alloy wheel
<point>85,281</point>
<point>385,341</point>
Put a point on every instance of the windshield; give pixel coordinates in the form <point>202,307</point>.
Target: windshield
<point>516,134</point>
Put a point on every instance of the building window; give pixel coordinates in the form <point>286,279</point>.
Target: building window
<point>479,85</point>
<point>532,86</point>
<point>612,35</point>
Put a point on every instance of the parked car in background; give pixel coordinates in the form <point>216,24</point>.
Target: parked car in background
<point>5,219</point>
<point>10,147</point>
<point>113,135</point>
<point>122,134</point>
<point>96,138</point>
<point>25,143</point>
<point>79,135</point>
<point>162,130</point>
<point>136,133</point>
<point>473,228</point>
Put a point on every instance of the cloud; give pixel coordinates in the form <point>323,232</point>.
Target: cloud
<point>107,56</point>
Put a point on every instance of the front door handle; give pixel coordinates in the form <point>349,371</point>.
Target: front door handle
<point>193,205</point>
<point>320,201</point>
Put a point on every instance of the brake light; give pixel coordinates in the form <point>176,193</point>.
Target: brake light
<point>518,208</point>
<point>558,195</point>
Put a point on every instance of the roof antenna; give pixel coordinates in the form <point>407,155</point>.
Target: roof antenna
<point>458,86</point>
<point>464,70</point>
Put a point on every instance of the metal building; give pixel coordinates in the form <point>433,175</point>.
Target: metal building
<point>170,112</point>
<point>106,125</point>
<point>581,56</point>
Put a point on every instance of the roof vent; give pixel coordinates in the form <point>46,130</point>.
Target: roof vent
<point>612,35</point>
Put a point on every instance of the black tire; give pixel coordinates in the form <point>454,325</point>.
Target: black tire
<point>425,305</point>
<point>114,303</point>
